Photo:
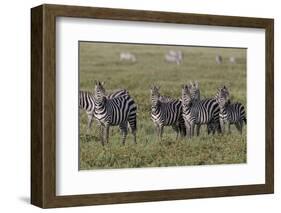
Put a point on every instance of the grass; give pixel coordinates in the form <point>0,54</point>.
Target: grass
<point>100,61</point>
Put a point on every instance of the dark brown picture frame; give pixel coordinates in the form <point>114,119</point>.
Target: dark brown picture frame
<point>43,105</point>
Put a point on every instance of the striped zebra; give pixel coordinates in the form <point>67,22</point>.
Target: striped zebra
<point>174,56</point>
<point>199,112</point>
<point>86,102</point>
<point>117,111</point>
<point>127,56</point>
<point>195,97</point>
<point>166,111</point>
<point>230,113</point>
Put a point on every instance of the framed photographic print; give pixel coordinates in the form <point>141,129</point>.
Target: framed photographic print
<point>136,106</point>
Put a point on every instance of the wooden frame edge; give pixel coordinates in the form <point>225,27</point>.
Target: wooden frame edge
<point>36,106</point>
<point>43,189</point>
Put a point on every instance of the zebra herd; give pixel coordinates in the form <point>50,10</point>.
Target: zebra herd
<point>172,56</point>
<point>183,115</point>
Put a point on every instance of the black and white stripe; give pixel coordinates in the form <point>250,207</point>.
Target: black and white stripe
<point>199,112</point>
<point>230,113</point>
<point>195,97</point>
<point>166,111</point>
<point>86,102</point>
<point>117,111</point>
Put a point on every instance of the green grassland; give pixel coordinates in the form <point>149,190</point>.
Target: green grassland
<point>100,61</point>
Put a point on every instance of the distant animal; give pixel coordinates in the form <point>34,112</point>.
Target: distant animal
<point>218,59</point>
<point>198,112</point>
<point>232,60</point>
<point>117,111</point>
<point>127,56</point>
<point>166,111</point>
<point>174,56</point>
<point>230,113</point>
<point>86,102</point>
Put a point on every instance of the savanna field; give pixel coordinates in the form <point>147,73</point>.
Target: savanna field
<point>100,61</point>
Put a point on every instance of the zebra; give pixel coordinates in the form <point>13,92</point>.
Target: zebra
<point>218,59</point>
<point>232,60</point>
<point>166,111</point>
<point>199,112</point>
<point>174,56</point>
<point>119,111</point>
<point>86,102</point>
<point>127,56</point>
<point>195,97</point>
<point>230,113</point>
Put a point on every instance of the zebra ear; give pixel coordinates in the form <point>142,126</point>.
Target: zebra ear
<point>196,84</point>
<point>102,83</point>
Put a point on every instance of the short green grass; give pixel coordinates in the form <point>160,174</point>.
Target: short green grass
<point>100,61</point>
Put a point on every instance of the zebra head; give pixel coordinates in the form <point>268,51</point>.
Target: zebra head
<point>155,95</point>
<point>99,90</point>
<point>186,95</point>
<point>222,97</point>
<point>194,90</point>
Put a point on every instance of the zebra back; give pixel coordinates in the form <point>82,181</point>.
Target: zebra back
<point>119,92</point>
<point>234,112</point>
<point>86,100</point>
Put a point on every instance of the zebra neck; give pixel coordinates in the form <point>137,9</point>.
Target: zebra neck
<point>100,103</point>
<point>187,104</point>
<point>223,110</point>
<point>156,106</point>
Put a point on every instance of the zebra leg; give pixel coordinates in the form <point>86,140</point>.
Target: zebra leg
<point>239,126</point>
<point>177,129</point>
<point>209,128</point>
<point>161,128</point>
<point>228,125</point>
<point>157,130</point>
<point>214,128</point>
<point>182,127</point>
<point>106,135</point>
<point>192,127</point>
<point>90,120</point>
<point>101,129</point>
<point>133,125</point>
<point>222,126</point>
<point>182,130</point>
<point>218,127</point>
<point>124,131</point>
<point>188,130</point>
<point>198,129</point>
<point>134,132</point>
